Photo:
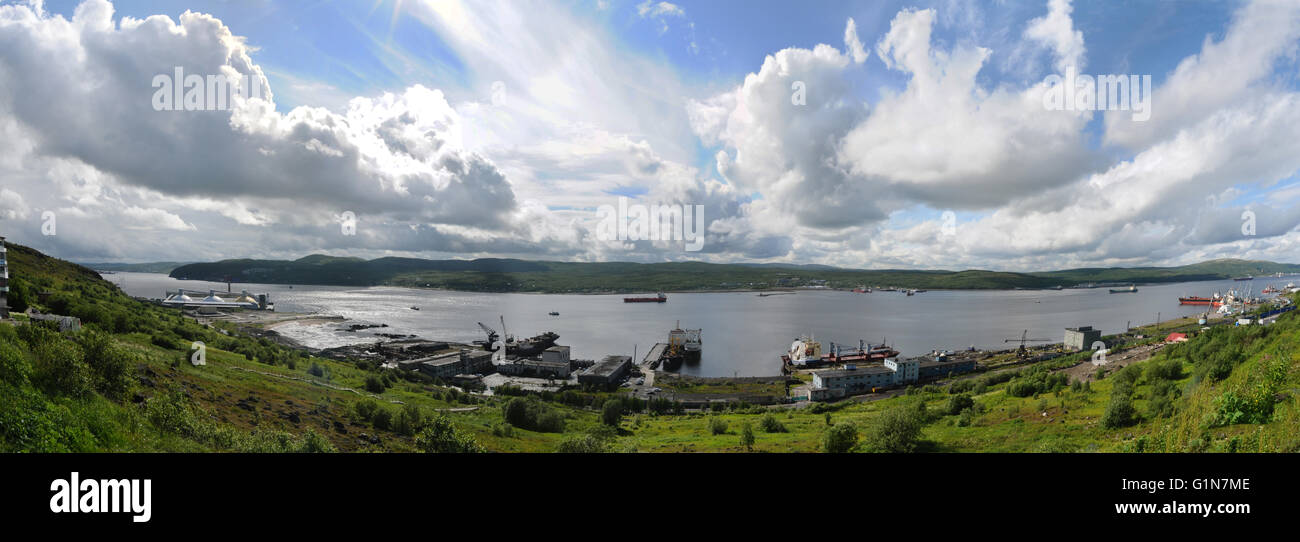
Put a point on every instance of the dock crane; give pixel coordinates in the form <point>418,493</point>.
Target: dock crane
<point>1024,338</point>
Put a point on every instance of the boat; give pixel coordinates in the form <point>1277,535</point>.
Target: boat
<point>910,292</point>
<point>684,345</point>
<point>532,346</point>
<point>415,308</point>
<point>1132,289</point>
<point>1247,277</point>
<point>864,353</point>
<point>862,290</point>
<point>656,299</point>
<point>803,351</point>
<point>553,313</point>
<point>1197,300</point>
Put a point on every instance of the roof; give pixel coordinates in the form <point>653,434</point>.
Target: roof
<point>1174,337</point>
<point>868,370</point>
<point>608,365</point>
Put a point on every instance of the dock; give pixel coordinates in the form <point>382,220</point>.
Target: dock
<point>654,355</point>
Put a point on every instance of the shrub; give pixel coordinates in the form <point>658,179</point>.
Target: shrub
<point>365,409</point>
<point>61,368</point>
<point>770,424</point>
<point>958,403</point>
<point>612,413</point>
<point>717,426</point>
<point>315,370</point>
<point>441,436</point>
<point>112,367</point>
<point>409,420</point>
<point>529,413</point>
<point>839,439</point>
<point>375,385</point>
<point>1119,411</point>
<point>897,430</point>
<point>582,444</point>
<point>15,368</point>
<point>382,419</point>
<point>747,437</point>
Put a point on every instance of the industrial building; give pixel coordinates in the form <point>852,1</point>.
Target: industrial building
<point>537,368</point>
<point>854,380</point>
<point>448,366</point>
<point>245,300</point>
<point>608,372</point>
<point>4,280</point>
<point>556,354</point>
<point>942,367</point>
<point>1082,337</point>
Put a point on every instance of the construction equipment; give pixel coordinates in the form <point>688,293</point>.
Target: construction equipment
<point>1024,338</point>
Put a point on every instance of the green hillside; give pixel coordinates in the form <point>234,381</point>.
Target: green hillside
<point>509,275</point>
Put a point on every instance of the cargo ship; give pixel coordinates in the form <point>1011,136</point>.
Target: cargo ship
<point>806,353</point>
<point>532,346</point>
<point>1197,300</point>
<point>656,299</point>
<point>684,345</point>
<point>1247,277</point>
<point>1132,289</point>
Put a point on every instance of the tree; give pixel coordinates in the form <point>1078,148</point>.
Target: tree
<point>441,437</point>
<point>958,403</point>
<point>747,437</point>
<point>612,413</point>
<point>839,439</point>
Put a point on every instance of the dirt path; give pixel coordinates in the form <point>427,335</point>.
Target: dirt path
<point>1086,370</point>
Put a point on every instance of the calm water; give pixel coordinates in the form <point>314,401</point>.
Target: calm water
<point>743,334</point>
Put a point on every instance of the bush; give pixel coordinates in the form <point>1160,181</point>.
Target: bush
<point>1119,411</point>
<point>612,413</point>
<point>717,426</point>
<point>747,437</point>
<point>61,368</point>
<point>958,403</point>
<point>897,430</point>
<point>529,413</point>
<point>409,420</point>
<point>442,437</point>
<point>839,439</point>
<point>375,385</point>
<point>15,368</point>
<point>382,419</point>
<point>365,409</point>
<point>582,444</point>
<point>112,367</point>
<point>316,370</point>
<point>770,424</point>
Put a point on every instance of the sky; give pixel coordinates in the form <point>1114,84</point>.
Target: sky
<point>917,134</point>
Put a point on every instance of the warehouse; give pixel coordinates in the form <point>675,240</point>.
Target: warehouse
<point>609,372</point>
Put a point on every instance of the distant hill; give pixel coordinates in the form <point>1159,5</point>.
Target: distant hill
<point>512,275</point>
<point>152,267</point>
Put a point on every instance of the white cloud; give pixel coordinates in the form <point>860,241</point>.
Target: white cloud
<point>853,44</point>
<point>1056,30</point>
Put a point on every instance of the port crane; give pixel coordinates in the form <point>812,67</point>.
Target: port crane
<point>1024,338</point>
<point>492,335</point>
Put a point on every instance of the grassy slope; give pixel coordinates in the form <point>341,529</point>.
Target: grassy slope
<point>1007,424</point>
<point>507,275</point>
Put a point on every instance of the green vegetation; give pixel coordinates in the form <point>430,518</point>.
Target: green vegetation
<point>510,275</point>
